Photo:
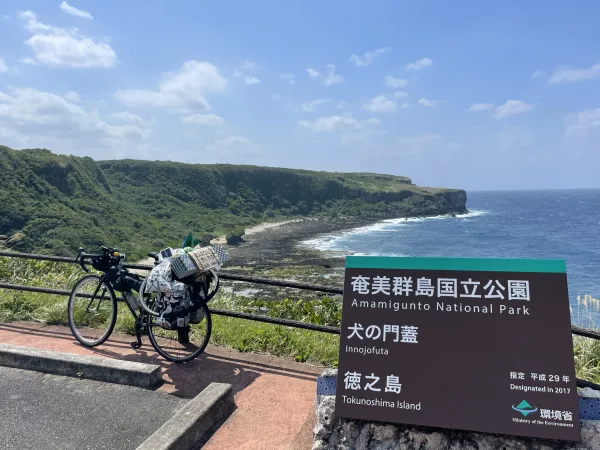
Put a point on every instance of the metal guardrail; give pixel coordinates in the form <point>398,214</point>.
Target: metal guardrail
<point>222,275</point>
<point>586,332</point>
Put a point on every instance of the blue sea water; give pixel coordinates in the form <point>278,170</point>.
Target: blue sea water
<point>522,224</point>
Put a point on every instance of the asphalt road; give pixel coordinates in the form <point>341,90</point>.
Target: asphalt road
<point>40,411</point>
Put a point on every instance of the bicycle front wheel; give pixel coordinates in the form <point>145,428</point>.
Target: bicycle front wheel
<point>183,344</point>
<point>92,310</point>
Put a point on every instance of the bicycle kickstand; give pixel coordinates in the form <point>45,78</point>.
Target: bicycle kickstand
<point>138,335</point>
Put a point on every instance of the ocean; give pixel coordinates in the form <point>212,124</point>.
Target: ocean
<point>522,224</point>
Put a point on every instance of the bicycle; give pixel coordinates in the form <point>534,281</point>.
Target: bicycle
<point>95,305</point>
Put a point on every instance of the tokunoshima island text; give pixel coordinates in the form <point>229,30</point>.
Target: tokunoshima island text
<point>398,404</point>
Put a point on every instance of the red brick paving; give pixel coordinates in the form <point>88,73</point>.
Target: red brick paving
<point>274,397</point>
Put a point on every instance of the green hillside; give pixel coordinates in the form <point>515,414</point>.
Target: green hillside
<point>54,203</point>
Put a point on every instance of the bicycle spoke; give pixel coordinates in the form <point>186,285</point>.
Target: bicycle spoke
<point>179,346</point>
<point>91,325</point>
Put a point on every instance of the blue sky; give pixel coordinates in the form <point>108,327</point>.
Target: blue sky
<point>468,94</point>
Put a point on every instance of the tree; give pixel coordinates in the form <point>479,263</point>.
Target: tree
<point>303,207</point>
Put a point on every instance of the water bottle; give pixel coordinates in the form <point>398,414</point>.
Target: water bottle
<point>132,301</point>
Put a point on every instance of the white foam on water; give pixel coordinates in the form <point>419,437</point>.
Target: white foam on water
<point>331,242</point>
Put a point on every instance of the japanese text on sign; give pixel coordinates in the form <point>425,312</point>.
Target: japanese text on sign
<point>353,381</point>
<point>394,333</point>
<point>444,287</point>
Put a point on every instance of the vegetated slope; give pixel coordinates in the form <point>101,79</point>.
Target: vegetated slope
<point>257,191</point>
<point>55,203</point>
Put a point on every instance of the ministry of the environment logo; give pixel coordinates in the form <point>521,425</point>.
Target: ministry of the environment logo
<point>524,408</point>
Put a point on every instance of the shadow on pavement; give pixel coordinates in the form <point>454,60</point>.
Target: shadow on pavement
<point>184,380</point>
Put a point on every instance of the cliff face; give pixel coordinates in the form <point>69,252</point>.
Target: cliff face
<point>214,186</point>
<point>453,201</point>
<point>61,202</point>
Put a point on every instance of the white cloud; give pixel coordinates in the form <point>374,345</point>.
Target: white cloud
<point>511,108</point>
<point>538,74</point>
<point>367,132</point>
<point>248,65</point>
<point>228,141</point>
<point>289,77</point>
<point>395,82</point>
<point>3,66</point>
<point>330,124</point>
<point>312,73</point>
<point>251,80</point>
<point>29,61</point>
<point>419,64</point>
<point>71,10</point>
<point>565,74</point>
<point>479,107</point>
<point>126,116</point>
<point>405,105</point>
<point>45,117</point>
<point>331,77</point>
<point>579,124</point>
<point>203,119</point>
<point>367,58</point>
<point>58,47</point>
<point>341,104</point>
<point>380,104</point>
<point>427,103</point>
<point>72,96</point>
<point>400,94</point>
<point>311,106</point>
<point>184,91</point>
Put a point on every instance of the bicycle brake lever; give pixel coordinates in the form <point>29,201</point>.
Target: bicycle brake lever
<point>80,257</point>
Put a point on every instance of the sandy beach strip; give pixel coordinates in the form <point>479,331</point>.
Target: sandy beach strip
<point>256,229</point>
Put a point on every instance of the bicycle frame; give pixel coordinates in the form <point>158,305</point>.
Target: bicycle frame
<point>119,280</point>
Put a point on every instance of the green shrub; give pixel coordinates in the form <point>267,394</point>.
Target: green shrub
<point>238,334</point>
<point>235,237</point>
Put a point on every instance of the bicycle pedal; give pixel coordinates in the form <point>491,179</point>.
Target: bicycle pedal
<point>135,345</point>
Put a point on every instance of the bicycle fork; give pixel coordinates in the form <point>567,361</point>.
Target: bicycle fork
<point>97,308</point>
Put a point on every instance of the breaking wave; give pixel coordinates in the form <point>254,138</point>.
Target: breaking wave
<point>334,242</point>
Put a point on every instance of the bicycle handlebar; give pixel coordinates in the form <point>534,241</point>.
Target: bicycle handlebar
<point>82,256</point>
<point>114,253</point>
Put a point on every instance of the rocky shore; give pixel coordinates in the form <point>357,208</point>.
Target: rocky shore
<point>279,252</point>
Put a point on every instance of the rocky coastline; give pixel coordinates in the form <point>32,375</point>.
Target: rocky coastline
<point>280,252</point>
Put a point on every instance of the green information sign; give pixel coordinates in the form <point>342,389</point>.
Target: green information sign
<point>471,344</point>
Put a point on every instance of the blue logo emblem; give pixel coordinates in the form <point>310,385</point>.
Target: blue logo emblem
<point>524,408</point>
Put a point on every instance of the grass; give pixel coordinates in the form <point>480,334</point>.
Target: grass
<point>257,337</point>
<point>238,334</point>
<point>587,351</point>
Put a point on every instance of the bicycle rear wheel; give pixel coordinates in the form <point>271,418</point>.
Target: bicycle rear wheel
<point>183,344</point>
<point>92,310</point>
